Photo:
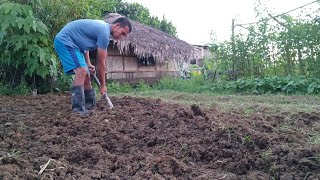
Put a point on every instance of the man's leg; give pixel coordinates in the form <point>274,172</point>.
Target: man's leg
<point>78,91</point>
<point>80,77</point>
<point>89,93</point>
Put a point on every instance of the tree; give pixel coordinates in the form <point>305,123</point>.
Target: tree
<point>141,14</point>
<point>275,45</point>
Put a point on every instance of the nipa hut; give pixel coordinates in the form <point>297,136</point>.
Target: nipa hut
<point>145,54</point>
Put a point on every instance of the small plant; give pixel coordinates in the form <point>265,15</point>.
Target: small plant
<point>313,138</point>
<point>247,139</point>
<point>266,154</point>
<point>183,147</point>
<point>273,169</point>
<point>248,111</point>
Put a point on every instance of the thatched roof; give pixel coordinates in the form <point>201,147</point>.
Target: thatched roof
<point>147,41</point>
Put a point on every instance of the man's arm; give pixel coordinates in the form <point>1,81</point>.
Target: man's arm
<point>102,57</point>
<point>87,57</point>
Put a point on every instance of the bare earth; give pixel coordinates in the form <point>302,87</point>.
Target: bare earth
<point>143,138</point>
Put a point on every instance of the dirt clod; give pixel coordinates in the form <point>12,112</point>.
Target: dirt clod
<point>197,110</point>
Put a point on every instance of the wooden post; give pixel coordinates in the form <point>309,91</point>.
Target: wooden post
<point>233,51</point>
<point>123,64</point>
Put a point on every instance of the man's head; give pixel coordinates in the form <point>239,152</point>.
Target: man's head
<point>120,28</point>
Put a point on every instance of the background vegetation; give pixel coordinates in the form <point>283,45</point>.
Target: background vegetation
<point>277,54</point>
<point>28,27</point>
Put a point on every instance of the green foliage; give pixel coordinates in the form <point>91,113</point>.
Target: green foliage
<point>27,30</point>
<point>116,87</point>
<point>142,87</point>
<point>273,85</point>
<point>63,82</point>
<point>247,139</point>
<point>195,84</point>
<point>24,43</point>
<point>6,90</point>
<point>265,155</point>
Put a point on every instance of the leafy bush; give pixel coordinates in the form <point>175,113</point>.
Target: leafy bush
<point>24,44</point>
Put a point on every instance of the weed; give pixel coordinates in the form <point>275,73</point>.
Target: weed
<point>183,147</point>
<point>248,111</point>
<point>313,138</point>
<point>273,169</point>
<point>22,126</point>
<point>247,139</point>
<point>266,154</point>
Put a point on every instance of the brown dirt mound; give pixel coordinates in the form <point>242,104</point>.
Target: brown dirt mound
<point>150,139</point>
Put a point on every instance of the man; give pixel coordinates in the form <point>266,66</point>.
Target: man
<point>71,44</point>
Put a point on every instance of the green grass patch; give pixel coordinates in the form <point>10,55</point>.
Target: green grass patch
<point>249,103</point>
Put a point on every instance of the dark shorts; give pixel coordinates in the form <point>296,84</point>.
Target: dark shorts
<point>71,58</point>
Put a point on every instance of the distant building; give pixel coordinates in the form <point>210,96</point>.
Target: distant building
<point>201,52</point>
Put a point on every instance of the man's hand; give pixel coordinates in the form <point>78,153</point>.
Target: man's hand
<point>92,68</point>
<point>103,89</point>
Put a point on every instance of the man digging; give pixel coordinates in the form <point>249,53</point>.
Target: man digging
<point>71,43</point>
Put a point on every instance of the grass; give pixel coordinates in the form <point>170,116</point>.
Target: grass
<point>249,103</point>
<point>266,154</point>
<point>314,138</point>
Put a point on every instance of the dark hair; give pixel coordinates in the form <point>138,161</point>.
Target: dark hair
<point>123,21</point>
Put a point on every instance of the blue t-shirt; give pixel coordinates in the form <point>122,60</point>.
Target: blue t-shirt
<point>85,34</point>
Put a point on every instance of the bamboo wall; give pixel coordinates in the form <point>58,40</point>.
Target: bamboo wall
<point>126,68</point>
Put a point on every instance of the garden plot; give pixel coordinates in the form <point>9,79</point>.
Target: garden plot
<point>142,138</point>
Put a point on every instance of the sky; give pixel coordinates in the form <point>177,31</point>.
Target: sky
<point>196,19</point>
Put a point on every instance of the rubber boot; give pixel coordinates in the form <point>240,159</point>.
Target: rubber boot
<point>90,99</point>
<point>77,101</point>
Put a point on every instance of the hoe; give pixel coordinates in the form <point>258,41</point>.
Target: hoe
<point>104,96</point>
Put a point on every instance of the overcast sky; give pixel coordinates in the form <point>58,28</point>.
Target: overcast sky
<point>195,19</point>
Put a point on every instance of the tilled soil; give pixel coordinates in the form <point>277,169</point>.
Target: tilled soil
<point>40,138</point>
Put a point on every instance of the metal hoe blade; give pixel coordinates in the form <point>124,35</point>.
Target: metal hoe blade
<point>104,96</point>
